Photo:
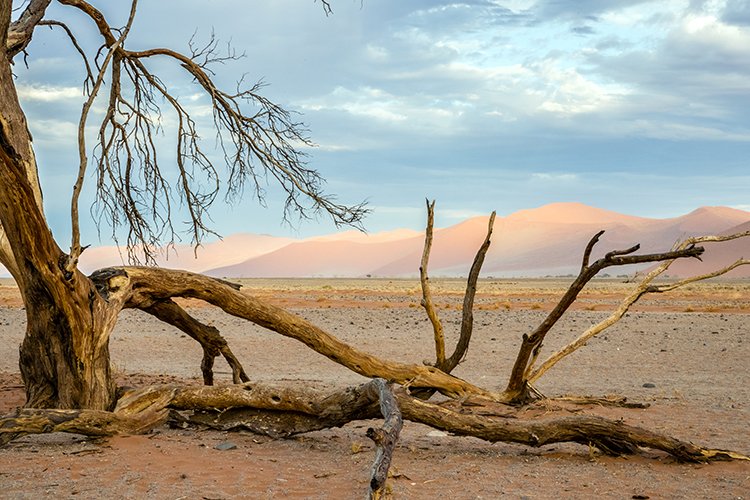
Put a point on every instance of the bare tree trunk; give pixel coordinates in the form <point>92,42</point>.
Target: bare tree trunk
<point>64,358</point>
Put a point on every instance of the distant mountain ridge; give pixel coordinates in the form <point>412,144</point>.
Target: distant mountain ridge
<point>547,240</point>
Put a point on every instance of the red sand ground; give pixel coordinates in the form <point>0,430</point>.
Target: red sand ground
<point>693,347</point>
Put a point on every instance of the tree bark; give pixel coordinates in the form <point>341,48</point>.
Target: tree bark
<point>287,410</point>
<point>385,438</point>
<point>64,358</point>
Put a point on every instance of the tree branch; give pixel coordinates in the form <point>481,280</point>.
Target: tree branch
<point>429,307</point>
<point>142,287</point>
<point>208,337</point>
<point>467,319</point>
<point>384,438</point>
<point>258,145</point>
<point>89,80</point>
<point>22,29</point>
<point>288,410</point>
<point>531,344</point>
<point>75,246</point>
<point>642,289</point>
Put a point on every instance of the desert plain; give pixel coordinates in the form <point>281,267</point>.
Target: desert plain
<point>685,353</point>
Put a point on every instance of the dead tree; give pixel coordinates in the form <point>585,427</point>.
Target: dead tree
<point>64,358</point>
<point>65,354</point>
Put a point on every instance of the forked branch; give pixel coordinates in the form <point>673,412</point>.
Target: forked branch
<point>517,387</point>
<point>467,317</point>
<point>643,288</point>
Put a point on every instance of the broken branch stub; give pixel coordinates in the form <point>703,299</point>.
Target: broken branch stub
<point>385,438</point>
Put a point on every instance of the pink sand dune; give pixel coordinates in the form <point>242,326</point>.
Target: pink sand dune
<point>717,256</point>
<point>535,242</point>
<point>546,240</point>
<point>230,250</point>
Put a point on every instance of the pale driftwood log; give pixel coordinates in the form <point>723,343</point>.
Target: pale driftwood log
<point>643,288</point>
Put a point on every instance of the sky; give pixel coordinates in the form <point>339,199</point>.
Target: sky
<point>641,107</point>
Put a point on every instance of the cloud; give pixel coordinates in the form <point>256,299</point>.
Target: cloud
<point>475,102</point>
<point>53,132</point>
<point>48,93</point>
<point>583,30</point>
<point>737,12</point>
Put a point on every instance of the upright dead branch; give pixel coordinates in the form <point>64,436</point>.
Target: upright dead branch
<point>429,307</point>
<point>517,388</point>
<point>75,246</point>
<point>467,316</point>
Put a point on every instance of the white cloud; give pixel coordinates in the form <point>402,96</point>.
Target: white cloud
<point>672,130</point>
<point>376,52</point>
<point>412,112</point>
<point>48,93</point>
<point>456,214</point>
<point>568,92</point>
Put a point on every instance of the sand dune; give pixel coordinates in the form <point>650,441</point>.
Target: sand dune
<point>547,240</point>
<point>228,251</point>
<point>536,242</point>
<point>718,256</point>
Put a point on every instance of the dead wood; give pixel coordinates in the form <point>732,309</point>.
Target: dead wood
<point>429,307</point>
<point>292,409</point>
<point>518,390</point>
<point>467,314</point>
<point>133,416</point>
<point>143,287</point>
<point>385,437</point>
<point>208,337</point>
<point>643,288</point>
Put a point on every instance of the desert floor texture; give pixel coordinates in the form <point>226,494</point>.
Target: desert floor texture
<point>691,348</point>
